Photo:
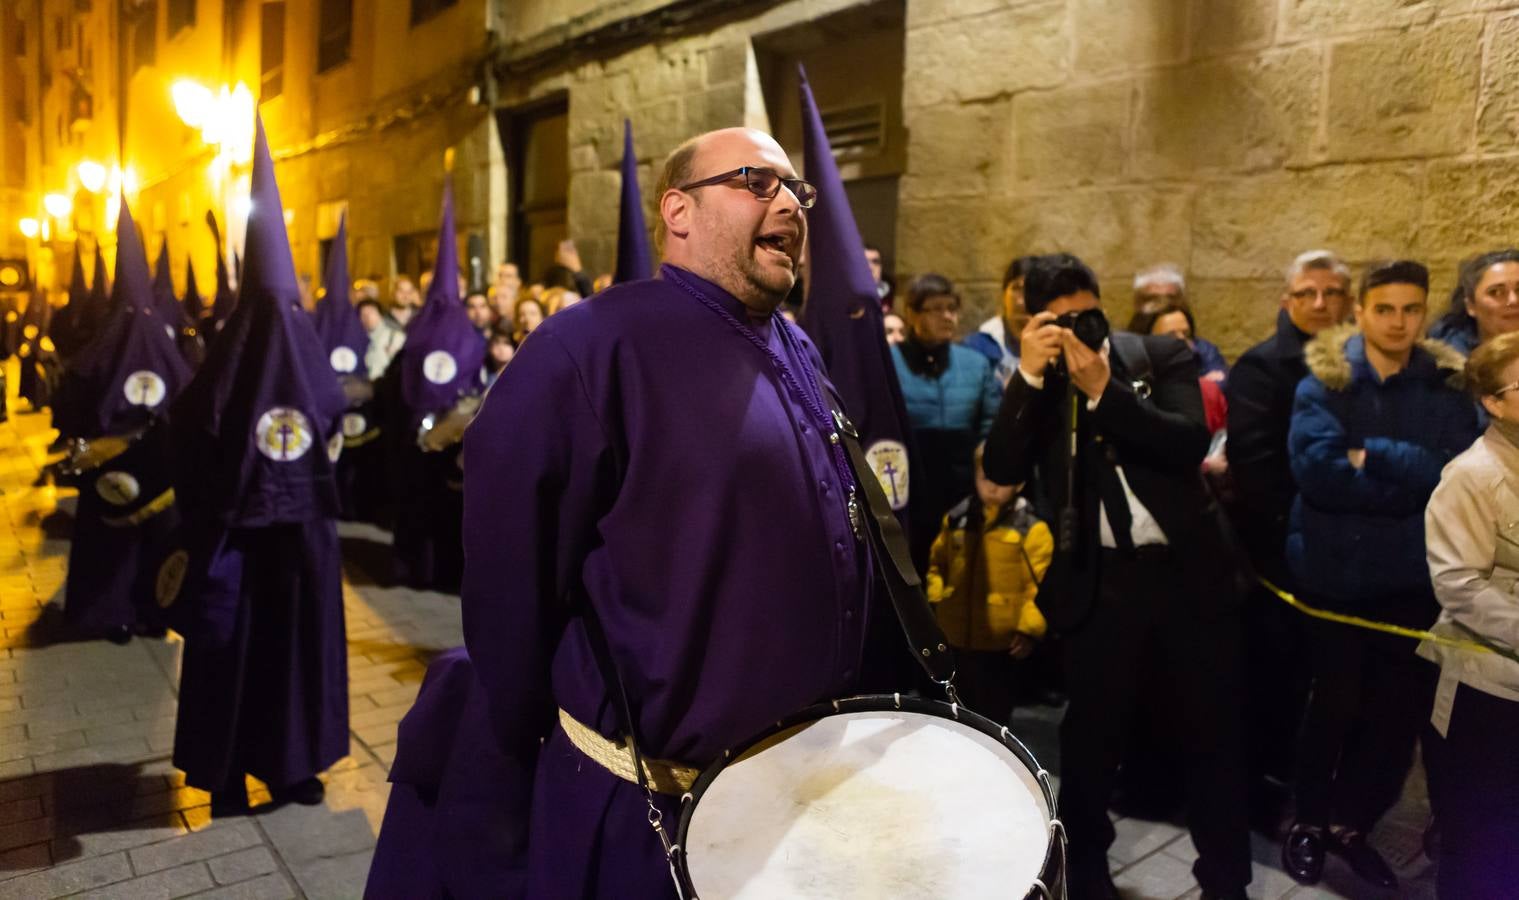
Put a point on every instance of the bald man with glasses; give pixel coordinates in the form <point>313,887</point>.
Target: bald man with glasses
<point>660,459</point>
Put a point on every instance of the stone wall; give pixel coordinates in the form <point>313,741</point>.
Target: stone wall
<point>1223,136</point>
<point>670,91</point>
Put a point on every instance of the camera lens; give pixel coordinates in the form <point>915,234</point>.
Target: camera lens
<point>1089,325</point>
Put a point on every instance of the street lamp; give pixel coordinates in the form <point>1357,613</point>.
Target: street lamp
<point>57,205</point>
<point>29,227</point>
<point>193,102</point>
<point>92,176</point>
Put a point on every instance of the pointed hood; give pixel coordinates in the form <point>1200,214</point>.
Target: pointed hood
<point>65,329</point>
<point>131,369</point>
<point>226,298</point>
<point>336,319</point>
<point>255,425</point>
<point>634,261</point>
<point>163,288</point>
<point>194,304</point>
<point>843,316</point>
<point>100,287</point>
<point>443,353</point>
<point>79,290</point>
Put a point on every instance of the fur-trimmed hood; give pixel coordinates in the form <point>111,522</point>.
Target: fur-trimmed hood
<point>1330,363</point>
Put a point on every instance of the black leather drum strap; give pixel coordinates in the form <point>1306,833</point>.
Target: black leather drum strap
<point>894,562</point>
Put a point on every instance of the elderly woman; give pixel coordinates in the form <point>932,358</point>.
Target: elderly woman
<point>952,398</point>
<point>1472,535</point>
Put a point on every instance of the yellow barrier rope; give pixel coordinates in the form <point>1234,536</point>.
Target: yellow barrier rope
<point>1383,627</point>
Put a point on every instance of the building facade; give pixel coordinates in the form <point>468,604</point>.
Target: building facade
<point>1224,137</point>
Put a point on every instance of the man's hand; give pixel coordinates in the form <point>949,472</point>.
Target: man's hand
<point>1021,647</point>
<point>566,255</point>
<point>1357,457</point>
<point>1039,344</point>
<point>1089,368</point>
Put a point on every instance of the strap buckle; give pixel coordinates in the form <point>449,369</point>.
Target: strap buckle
<point>842,422</point>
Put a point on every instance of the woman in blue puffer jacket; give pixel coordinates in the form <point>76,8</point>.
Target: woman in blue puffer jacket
<point>952,397</point>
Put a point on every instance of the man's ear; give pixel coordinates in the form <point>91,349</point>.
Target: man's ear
<point>675,209</point>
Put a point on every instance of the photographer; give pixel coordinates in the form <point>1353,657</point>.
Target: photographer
<point>1140,577</point>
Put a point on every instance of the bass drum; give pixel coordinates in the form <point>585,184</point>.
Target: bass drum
<point>874,796</point>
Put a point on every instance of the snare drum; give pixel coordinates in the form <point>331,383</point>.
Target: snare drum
<point>874,796</point>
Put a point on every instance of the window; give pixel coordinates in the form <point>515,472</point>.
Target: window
<point>271,51</point>
<point>144,39</point>
<point>334,33</point>
<point>20,41</point>
<point>181,15</point>
<point>422,10</point>
<point>23,109</point>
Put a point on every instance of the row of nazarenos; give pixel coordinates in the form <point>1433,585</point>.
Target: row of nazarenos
<point>209,493</point>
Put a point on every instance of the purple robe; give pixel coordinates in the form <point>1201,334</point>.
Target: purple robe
<point>263,688</point>
<point>439,363</point>
<point>114,558</point>
<point>264,684</point>
<point>643,450</point>
<point>122,381</point>
<point>444,834</point>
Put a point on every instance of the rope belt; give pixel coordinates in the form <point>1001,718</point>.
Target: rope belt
<point>157,505</point>
<point>665,777</point>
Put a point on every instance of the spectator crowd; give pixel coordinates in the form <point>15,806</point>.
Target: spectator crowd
<point>1364,458</point>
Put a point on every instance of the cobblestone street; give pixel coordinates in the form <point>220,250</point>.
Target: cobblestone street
<point>91,806</point>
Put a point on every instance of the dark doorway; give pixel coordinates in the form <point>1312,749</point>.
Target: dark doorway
<point>535,142</point>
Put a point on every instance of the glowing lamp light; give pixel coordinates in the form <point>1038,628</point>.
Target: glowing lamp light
<point>243,206</point>
<point>92,175</point>
<point>28,227</point>
<point>57,205</point>
<point>112,211</point>
<point>129,180</point>
<point>194,102</point>
<point>47,344</point>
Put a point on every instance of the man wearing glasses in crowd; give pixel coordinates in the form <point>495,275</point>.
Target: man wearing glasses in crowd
<point>1261,385</point>
<point>664,451</point>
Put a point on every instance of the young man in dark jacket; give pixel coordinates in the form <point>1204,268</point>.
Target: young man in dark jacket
<point>1378,418</point>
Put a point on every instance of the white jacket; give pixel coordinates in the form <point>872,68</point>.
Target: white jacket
<point>1472,543</point>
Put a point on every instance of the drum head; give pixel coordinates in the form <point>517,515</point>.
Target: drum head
<point>880,803</point>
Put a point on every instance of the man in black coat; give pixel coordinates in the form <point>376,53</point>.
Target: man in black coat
<point>1315,296</point>
<point>1140,576</point>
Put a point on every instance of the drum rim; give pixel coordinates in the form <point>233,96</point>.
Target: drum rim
<point>859,703</point>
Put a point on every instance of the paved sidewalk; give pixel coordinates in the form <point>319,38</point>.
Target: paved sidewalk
<point>89,803</point>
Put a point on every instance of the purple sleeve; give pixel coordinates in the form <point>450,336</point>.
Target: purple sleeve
<point>538,476</point>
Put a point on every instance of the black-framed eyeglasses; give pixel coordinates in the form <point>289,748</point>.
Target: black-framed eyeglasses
<point>763,183</point>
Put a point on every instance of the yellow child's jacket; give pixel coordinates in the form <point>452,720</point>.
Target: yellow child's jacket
<point>983,596</point>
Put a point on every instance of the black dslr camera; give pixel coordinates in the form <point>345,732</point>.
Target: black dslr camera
<point>1089,325</point>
